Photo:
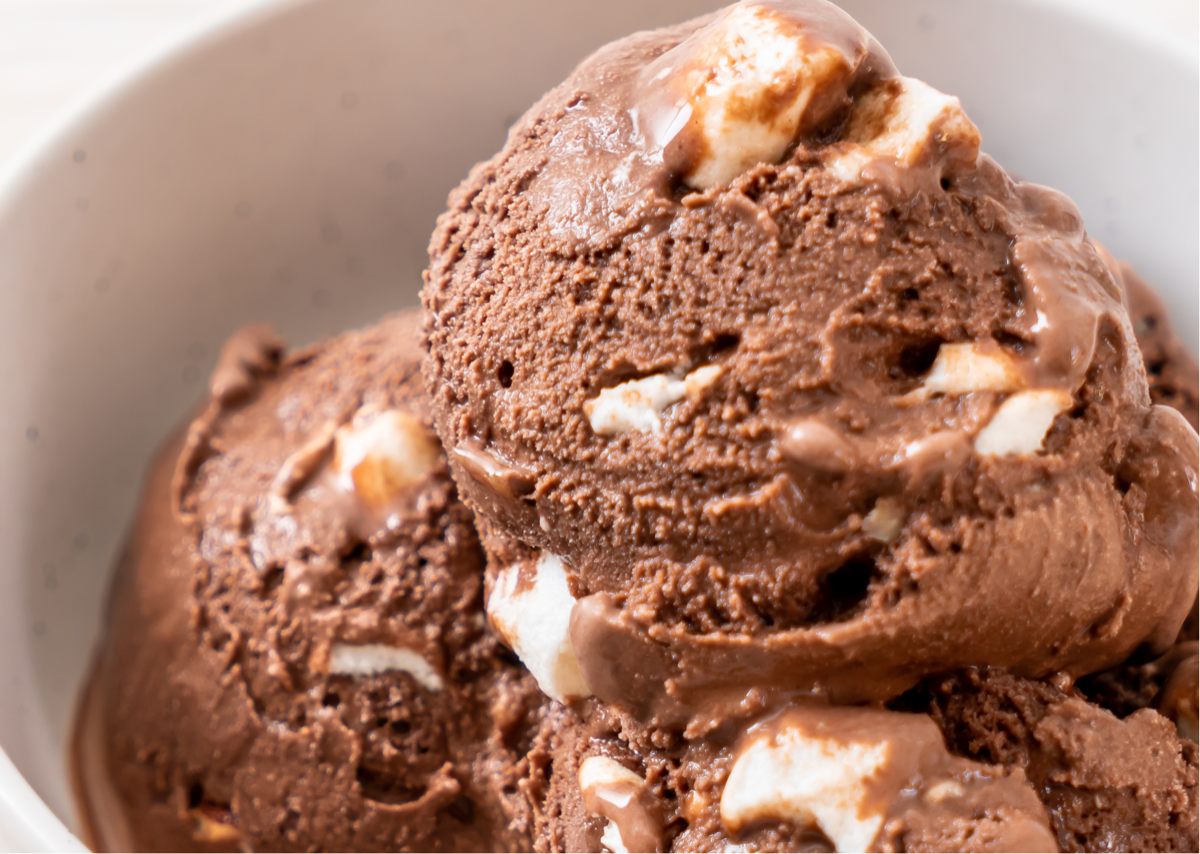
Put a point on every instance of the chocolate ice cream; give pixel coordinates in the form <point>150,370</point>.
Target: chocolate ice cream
<point>296,656</point>
<point>776,396</point>
<point>1170,368</point>
<point>1108,784</point>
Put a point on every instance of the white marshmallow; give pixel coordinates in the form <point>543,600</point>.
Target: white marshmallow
<point>604,781</point>
<point>849,770</point>
<point>1021,423</point>
<point>809,781</point>
<point>609,780</point>
<point>536,622</point>
<point>908,121</point>
<point>964,368</point>
<point>748,58</point>
<point>374,658</point>
<point>611,838</point>
<point>638,404</point>
<point>382,454</point>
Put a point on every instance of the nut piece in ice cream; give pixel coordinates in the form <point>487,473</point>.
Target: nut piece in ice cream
<point>848,772</point>
<point>741,90</point>
<point>530,607</point>
<point>214,826</point>
<point>885,521</point>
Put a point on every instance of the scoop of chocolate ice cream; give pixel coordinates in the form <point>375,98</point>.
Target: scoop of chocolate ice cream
<point>1170,367</point>
<point>1108,784</point>
<point>1166,682</point>
<point>296,656</point>
<point>742,335</point>
<point>808,777</point>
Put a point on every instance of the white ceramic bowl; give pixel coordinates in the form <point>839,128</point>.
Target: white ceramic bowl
<point>286,164</point>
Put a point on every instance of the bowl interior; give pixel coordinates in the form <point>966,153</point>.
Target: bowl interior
<point>288,166</point>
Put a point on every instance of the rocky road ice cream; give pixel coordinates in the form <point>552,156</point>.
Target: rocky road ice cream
<point>824,489</point>
<point>296,654</point>
<point>802,400</point>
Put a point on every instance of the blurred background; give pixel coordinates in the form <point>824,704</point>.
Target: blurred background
<point>52,50</point>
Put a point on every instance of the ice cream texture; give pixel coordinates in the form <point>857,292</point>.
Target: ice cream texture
<point>296,653</point>
<point>924,441</point>
<point>809,484</point>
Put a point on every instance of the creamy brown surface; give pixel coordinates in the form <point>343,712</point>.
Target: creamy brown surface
<point>213,720</point>
<point>1108,784</point>
<point>796,519</point>
<point>1171,369</point>
<point>1105,784</point>
<point>728,559</point>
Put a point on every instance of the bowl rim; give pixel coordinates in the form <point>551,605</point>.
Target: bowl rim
<point>26,822</point>
<point>1116,16</point>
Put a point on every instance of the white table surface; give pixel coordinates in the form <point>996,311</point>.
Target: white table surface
<point>51,51</point>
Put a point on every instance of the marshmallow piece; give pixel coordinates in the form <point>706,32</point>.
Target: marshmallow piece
<point>638,404</point>
<point>910,122</point>
<point>849,771</point>
<point>808,780</point>
<point>374,658</point>
<point>611,838</point>
<point>965,368</point>
<point>746,82</point>
<point>608,789</point>
<point>380,455</point>
<point>1020,424</point>
<point>885,521</point>
<point>608,780</point>
<point>535,622</point>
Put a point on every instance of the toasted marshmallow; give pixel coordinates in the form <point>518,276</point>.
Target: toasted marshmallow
<point>638,404</point>
<point>1020,425</point>
<point>379,455</point>
<point>535,622</point>
<point>374,658</point>
<point>742,90</point>
<point>965,368</point>
<point>909,122</point>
